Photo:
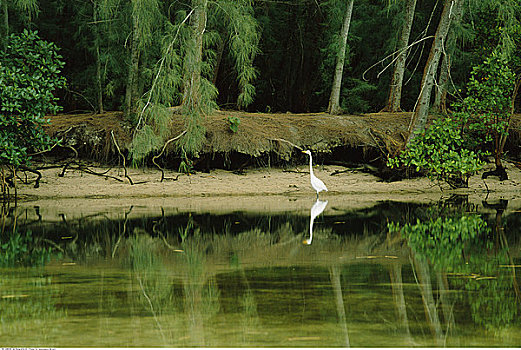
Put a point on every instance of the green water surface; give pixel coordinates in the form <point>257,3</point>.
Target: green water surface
<point>245,280</point>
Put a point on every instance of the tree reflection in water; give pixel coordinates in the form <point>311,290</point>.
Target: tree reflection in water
<point>185,283</point>
<point>468,256</point>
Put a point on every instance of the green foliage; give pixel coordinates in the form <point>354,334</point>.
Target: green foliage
<point>362,90</point>
<point>243,42</point>
<point>332,41</point>
<point>144,141</point>
<point>191,143</point>
<point>234,123</point>
<point>151,133</point>
<point>174,82</point>
<point>25,9</point>
<point>488,105</point>
<point>28,6</point>
<point>185,166</point>
<point>356,95</point>
<point>443,240</point>
<point>143,253</point>
<point>440,152</point>
<point>464,246</point>
<point>444,150</point>
<point>20,249</point>
<point>148,18</point>
<point>29,74</point>
<point>190,228</point>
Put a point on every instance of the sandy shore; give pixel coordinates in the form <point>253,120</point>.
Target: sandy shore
<point>259,190</point>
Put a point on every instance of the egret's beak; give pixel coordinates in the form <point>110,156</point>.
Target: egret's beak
<point>303,151</point>
<point>306,241</point>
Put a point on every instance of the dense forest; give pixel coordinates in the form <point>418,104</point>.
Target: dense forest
<point>453,57</point>
<point>280,55</point>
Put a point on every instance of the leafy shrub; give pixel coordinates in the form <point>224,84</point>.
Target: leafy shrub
<point>445,150</point>
<point>440,152</point>
<point>463,245</point>
<point>29,74</point>
<point>186,166</point>
<point>487,108</point>
<point>489,96</point>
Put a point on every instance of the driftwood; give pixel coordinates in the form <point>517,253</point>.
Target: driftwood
<point>85,169</point>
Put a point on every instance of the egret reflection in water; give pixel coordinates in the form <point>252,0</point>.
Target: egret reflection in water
<point>316,210</point>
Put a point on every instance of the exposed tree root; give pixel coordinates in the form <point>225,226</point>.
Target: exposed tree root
<point>499,172</point>
<point>34,171</point>
<point>161,153</point>
<point>122,157</point>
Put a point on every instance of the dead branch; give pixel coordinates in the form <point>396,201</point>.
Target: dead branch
<point>74,150</point>
<point>336,172</point>
<point>291,143</point>
<point>92,172</point>
<point>121,234</point>
<point>122,156</point>
<point>80,167</point>
<point>53,244</point>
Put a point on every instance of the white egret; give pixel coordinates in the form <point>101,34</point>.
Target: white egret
<point>316,210</point>
<point>317,184</point>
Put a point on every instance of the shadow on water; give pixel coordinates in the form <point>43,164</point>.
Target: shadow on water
<point>395,274</point>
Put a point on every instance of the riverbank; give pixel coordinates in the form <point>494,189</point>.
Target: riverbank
<point>257,190</point>
<point>261,139</point>
<point>350,142</point>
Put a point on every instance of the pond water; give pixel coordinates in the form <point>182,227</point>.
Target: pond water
<point>183,279</point>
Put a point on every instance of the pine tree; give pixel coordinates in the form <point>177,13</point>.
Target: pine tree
<point>185,70</point>
<point>145,15</point>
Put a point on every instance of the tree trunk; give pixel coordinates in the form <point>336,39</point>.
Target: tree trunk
<point>421,111</point>
<point>440,96</point>
<point>133,82</point>
<point>99,83</point>
<point>334,99</point>
<point>395,91</point>
<point>220,52</point>
<point>192,83</point>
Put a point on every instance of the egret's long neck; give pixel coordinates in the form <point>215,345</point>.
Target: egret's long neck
<point>310,165</point>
